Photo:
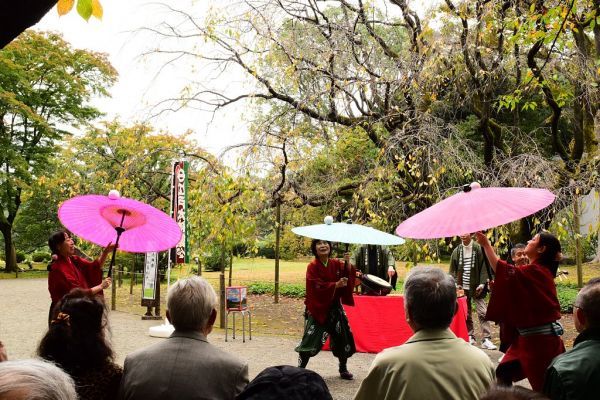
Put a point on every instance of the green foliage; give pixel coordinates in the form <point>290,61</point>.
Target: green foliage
<point>21,256</point>
<point>40,256</point>
<point>288,290</point>
<point>567,294</point>
<point>212,260</point>
<point>45,89</point>
<point>84,8</point>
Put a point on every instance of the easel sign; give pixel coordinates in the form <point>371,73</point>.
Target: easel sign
<point>151,284</point>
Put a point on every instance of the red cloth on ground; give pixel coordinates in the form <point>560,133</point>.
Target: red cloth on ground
<point>379,322</point>
<point>74,272</point>
<point>321,292</point>
<point>525,297</point>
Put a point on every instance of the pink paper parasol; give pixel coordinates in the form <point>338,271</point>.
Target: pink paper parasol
<point>474,209</point>
<point>135,226</point>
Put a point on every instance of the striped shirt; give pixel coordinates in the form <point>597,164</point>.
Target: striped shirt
<point>467,263</point>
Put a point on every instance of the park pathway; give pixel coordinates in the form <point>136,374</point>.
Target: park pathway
<point>23,321</point>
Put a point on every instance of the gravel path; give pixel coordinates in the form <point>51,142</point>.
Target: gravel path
<point>23,321</point>
<point>23,317</point>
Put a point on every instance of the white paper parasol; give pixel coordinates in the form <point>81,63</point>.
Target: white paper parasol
<point>347,232</point>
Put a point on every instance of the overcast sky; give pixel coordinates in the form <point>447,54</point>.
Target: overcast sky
<point>139,86</point>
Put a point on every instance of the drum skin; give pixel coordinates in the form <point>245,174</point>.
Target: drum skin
<point>374,286</point>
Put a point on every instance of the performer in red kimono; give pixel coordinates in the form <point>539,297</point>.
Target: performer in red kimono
<point>68,271</point>
<point>329,283</point>
<point>525,297</point>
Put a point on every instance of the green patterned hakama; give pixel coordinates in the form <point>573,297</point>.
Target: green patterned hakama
<point>336,328</point>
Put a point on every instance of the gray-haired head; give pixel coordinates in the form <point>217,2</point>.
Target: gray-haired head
<point>190,303</point>
<point>516,248</point>
<point>34,379</point>
<point>588,300</point>
<point>430,297</point>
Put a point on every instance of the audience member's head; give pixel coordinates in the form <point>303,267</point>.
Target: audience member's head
<point>191,305</point>
<point>512,393</point>
<point>76,337</point>
<point>35,380</point>
<point>586,310</point>
<point>517,253</point>
<point>286,382</point>
<point>429,298</point>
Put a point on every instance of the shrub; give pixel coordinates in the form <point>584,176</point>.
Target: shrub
<point>40,256</point>
<point>566,296</point>
<point>212,261</point>
<point>20,256</point>
<point>261,288</point>
<point>266,250</point>
<point>295,291</point>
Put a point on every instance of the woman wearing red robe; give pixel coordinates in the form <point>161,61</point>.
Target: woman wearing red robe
<point>525,297</point>
<point>329,283</point>
<point>68,271</point>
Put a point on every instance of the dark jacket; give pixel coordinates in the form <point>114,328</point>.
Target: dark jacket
<point>575,375</point>
<point>479,269</point>
<point>385,259</point>
<point>286,382</point>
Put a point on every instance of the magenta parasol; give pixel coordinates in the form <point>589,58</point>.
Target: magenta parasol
<point>135,226</point>
<point>474,209</point>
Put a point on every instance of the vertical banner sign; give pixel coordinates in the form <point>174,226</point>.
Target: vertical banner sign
<point>150,277</point>
<point>179,210</point>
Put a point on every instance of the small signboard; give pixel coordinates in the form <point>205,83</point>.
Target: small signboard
<point>150,282</point>
<point>237,297</point>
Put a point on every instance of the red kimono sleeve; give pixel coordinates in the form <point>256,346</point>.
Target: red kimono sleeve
<point>523,296</point>
<point>346,293</point>
<point>320,291</point>
<point>91,270</point>
<point>63,277</point>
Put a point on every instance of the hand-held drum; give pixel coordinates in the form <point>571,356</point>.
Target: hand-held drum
<point>374,286</point>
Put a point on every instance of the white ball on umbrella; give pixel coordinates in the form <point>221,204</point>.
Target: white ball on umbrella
<point>475,185</point>
<point>114,194</point>
<point>328,220</point>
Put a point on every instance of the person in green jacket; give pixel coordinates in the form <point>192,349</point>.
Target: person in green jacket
<point>468,266</point>
<point>575,375</point>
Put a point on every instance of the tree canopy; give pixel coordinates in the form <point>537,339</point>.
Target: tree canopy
<point>45,88</point>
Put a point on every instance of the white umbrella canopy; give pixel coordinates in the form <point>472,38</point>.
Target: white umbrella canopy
<point>344,232</point>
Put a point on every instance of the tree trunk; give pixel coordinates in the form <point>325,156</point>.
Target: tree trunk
<point>10,255</point>
<point>222,299</point>
<point>577,242</point>
<point>277,245</point>
<point>230,267</point>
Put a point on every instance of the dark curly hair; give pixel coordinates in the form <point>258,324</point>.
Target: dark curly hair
<point>75,339</point>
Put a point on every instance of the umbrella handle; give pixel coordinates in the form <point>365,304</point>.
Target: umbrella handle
<point>119,230</point>
<point>345,272</point>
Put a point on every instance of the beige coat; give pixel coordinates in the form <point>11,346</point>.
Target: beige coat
<point>184,366</point>
<point>432,364</point>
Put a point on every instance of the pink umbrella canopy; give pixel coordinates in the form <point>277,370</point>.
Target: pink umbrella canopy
<point>96,218</point>
<point>474,209</point>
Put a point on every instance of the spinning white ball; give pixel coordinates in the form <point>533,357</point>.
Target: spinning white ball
<point>328,220</point>
<point>114,194</point>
